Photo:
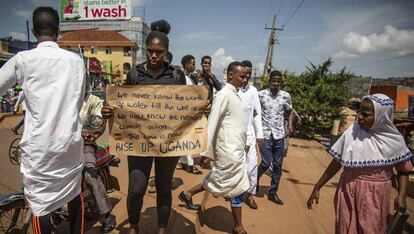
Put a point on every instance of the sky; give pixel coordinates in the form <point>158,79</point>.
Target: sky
<point>370,38</point>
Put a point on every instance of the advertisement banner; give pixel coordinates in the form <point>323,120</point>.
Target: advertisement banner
<point>74,10</point>
<point>158,120</point>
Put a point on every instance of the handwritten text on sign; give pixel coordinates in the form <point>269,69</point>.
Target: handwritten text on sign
<point>158,120</point>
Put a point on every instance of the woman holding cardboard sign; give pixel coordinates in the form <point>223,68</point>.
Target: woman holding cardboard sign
<point>153,72</point>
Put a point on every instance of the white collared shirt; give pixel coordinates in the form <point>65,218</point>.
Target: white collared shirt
<point>250,99</point>
<point>188,80</point>
<point>273,111</point>
<point>53,83</point>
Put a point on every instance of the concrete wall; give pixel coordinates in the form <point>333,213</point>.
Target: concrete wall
<point>397,93</point>
<point>390,91</point>
<point>402,98</point>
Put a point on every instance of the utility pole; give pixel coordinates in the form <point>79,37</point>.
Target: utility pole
<point>28,34</point>
<point>272,41</point>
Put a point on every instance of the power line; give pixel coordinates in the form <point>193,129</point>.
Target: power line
<point>290,9</point>
<point>294,12</point>
<point>264,32</point>
<point>268,12</point>
<point>382,61</point>
<point>280,7</point>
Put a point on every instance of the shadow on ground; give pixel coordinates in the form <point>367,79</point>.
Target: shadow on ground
<point>176,182</point>
<point>295,181</point>
<point>177,223</point>
<point>218,218</point>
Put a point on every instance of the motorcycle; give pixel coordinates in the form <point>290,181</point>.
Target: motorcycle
<point>15,215</point>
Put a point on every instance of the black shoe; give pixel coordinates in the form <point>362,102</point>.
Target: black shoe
<point>108,224</point>
<point>188,202</point>
<point>274,198</point>
<point>184,167</point>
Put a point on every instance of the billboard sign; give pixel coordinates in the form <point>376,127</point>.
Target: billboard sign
<point>74,10</point>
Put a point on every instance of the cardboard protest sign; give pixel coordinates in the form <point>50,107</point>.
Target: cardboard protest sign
<point>158,120</point>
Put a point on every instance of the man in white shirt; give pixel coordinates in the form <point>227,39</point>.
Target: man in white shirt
<point>227,127</point>
<point>250,99</point>
<point>275,104</point>
<point>20,100</point>
<point>52,80</point>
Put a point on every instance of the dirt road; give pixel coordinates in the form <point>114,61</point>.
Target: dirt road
<point>304,164</point>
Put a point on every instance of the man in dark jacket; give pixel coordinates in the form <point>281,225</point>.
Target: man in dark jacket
<point>206,77</point>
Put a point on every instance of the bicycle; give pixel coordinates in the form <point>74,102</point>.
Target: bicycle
<point>14,152</point>
<point>15,216</point>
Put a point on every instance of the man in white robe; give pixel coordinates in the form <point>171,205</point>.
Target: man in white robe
<point>227,134</point>
<point>250,99</point>
<point>53,83</point>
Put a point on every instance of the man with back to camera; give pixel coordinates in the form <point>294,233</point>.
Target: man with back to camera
<point>51,145</point>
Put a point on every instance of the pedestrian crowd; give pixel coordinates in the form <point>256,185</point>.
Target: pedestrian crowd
<point>244,124</point>
<point>9,99</point>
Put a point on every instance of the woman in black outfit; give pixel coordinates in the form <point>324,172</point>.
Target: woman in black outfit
<point>153,72</point>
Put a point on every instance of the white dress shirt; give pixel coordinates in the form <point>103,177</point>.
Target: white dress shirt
<point>251,102</point>
<point>52,80</point>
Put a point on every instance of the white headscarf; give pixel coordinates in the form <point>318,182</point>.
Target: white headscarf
<point>382,145</point>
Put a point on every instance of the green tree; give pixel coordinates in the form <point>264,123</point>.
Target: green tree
<point>318,95</point>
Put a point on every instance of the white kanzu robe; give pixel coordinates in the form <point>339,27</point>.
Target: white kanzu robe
<point>251,103</point>
<point>227,127</point>
<point>52,146</point>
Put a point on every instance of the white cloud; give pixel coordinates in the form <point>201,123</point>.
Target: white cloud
<point>337,23</point>
<point>220,61</point>
<point>23,13</point>
<point>18,36</point>
<point>400,42</point>
<point>345,55</point>
<point>201,37</point>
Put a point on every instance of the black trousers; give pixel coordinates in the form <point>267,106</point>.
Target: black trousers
<point>42,225</point>
<point>139,173</point>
